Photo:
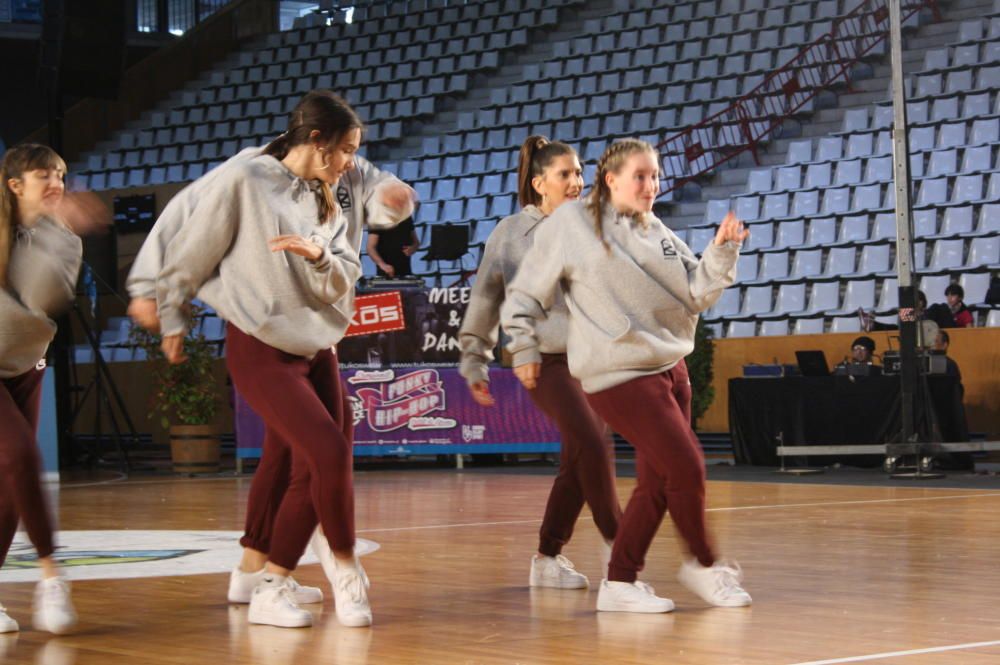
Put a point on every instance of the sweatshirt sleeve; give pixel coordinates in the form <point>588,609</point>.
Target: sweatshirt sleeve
<point>480,327</point>
<point>141,282</point>
<point>709,276</point>
<point>532,293</point>
<point>373,183</point>
<point>334,274</point>
<point>193,255</point>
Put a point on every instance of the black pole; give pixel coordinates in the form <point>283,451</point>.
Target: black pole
<point>53,28</point>
<point>909,372</point>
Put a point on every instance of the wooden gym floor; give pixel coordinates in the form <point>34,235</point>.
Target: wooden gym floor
<point>901,574</point>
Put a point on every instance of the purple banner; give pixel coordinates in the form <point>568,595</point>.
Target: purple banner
<point>421,410</point>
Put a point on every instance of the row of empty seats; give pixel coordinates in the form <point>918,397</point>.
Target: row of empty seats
<point>837,298</point>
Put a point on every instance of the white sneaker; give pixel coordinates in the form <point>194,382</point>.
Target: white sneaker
<point>273,604</point>
<point>7,624</point>
<point>54,611</point>
<point>634,597</point>
<point>350,596</point>
<point>718,585</point>
<point>556,572</point>
<point>241,586</point>
<point>321,548</point>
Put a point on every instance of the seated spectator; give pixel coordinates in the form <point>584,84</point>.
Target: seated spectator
<point>954,314</point>
<point>861,362</point>
<point>941,345</point>
<point>955,295</point>
<point>927,326</point>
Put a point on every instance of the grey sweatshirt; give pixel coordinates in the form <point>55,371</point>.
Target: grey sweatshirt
<point>41,277</point>
<point>504,253</point>
<point>632,312</point>
<point>221,253</point>
<point>358,194</point>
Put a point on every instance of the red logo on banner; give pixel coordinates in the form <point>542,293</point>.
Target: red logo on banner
<point>396,403</point>
<point>381,312</point>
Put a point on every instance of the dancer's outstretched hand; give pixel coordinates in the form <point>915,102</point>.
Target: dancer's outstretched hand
<point>731,229</point>
<point>84,213</point>
<point>528,374</point>
<point>398,196</point>
<point>296,245</point>
<point>143,312</point>
<point>173,349</point>
<point>481,394</point>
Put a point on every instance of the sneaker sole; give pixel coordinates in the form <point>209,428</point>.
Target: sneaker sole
<point>544,585</point>
<point>9,628</point>
<point>265,620</point>
<point>300,599</point>
<point>689,587</point>
<point>355,622</point>
<point>56,630</point>
<point>624,607</point>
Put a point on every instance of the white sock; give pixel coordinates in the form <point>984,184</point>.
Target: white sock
<point>273,580</point>
<point>346,564</point>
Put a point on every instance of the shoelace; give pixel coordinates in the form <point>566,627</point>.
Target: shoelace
<point>55,590</point>
<point>351,584</point>
<point>648,588</point>
<point>292,584</point>
<point>728,578</point>
<point>564,562</point>
<point>285,594</point>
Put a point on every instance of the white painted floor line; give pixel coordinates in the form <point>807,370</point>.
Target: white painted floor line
<point>899,654</point>
<point>762,507</point>
<point>447,526</point>
<point>853,503</point>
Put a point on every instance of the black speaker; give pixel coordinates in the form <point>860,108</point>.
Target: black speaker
<point>84,41</point>
<point>135,214</point>
<point>100,252</point>
<point>449,242</point>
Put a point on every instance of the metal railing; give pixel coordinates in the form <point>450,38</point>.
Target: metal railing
<point>754,118</point>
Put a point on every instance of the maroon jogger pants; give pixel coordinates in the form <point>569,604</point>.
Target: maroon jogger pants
<point>301,400</point>
<point>586,459</point>
<point>21,495</point>
<point>654,414</point>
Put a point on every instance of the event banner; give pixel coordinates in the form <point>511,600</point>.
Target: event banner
<point>405,325</point>
<point>427,410</point>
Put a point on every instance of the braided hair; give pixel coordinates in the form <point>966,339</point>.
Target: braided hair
<point>610,162</point>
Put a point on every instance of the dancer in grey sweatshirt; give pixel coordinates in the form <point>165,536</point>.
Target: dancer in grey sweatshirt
<point>634,291</point>
<point>368,197</point>
<point>39,261</point>
<point>549,174</point>
<point>267,246</point>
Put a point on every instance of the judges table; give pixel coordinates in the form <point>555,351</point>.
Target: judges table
<point>833,410</point>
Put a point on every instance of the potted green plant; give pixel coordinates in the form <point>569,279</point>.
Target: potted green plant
<point>700,370</point>
<point>186,398</point>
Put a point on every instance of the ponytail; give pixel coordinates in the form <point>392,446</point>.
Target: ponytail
<point>328,114</point>
<point>537,153</point>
